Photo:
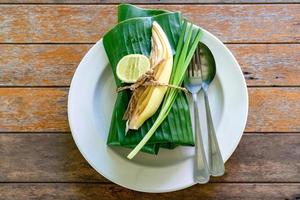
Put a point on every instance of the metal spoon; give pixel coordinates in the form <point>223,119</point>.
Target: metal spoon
<point>208,72</point>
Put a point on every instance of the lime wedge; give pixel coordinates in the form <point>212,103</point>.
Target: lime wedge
<point>131,67</point>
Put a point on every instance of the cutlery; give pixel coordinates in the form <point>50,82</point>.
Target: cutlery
<point>193,84</point>
<point>204,60</point>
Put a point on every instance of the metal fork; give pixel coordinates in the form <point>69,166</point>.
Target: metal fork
<point>194,84</point>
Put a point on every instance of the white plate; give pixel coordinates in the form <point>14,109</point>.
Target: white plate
<point>91,100</point>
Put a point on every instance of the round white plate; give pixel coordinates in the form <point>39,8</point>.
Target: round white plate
<point>90,104</point>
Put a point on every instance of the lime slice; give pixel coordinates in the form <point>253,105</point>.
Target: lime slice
<point>131,67</point>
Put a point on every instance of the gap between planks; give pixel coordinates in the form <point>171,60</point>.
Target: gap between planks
<point>111,183</point>
<point>156,3</point>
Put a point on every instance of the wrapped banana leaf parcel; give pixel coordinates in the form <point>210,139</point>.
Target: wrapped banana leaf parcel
<point>149,52</point>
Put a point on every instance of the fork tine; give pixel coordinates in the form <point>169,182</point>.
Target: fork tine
<point>192,67</point>
<point>200,55</point>
<point>190,70</point>
<point>197,72</point>
<point>196,66</point>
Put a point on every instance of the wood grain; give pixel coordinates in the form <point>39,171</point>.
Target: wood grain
<point>269,64</point>
<point>54,65</point>
<point>45,110</point>
<point>33,109</point>
<point>145,1</point>
<point>39,65</point>
<point>274,109</point>
<point>55,158</point>
<point>43,158</point>
<point>87,23</point>
<point>223,191</point>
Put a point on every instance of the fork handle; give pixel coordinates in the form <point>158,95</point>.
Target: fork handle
<point>201,171</point>
<point>216,164</point>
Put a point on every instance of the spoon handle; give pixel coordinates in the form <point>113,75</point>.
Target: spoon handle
<point>216,164</point>
<point>201,171</point>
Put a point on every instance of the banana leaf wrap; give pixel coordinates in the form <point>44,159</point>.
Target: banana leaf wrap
<point>132,35</point>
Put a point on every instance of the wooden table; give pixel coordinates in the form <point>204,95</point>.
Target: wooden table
<point>41,44</point>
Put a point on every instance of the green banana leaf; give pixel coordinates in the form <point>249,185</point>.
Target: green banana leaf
<point>130,36</point>
<point>128,11</point>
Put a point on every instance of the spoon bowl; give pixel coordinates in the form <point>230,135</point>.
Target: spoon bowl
<point>207,64</point>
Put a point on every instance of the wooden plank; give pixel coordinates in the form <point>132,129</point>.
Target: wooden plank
<point>269,64</point>
<point>33,109</point>
<point>43,157</point>
<point>214,191</point>
<point>55,158</point>
<point>147,1</point>
<point>263,154</point>
<point>87,23</point>
<point>274,109</point>
<point>45,110</point>
<point>54,65</point>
